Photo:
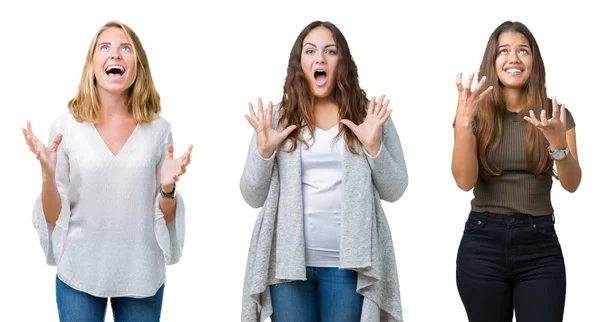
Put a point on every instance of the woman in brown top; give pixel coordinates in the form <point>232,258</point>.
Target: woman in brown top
<point>509,141</point>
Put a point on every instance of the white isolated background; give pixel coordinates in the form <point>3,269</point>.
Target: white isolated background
<point>209,59</point>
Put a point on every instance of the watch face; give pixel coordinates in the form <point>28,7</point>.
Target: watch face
<point>558,155</point>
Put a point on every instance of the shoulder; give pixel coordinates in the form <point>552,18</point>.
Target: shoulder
<point>64,122</point>
<point>159,125</point>
<point>570,119</point>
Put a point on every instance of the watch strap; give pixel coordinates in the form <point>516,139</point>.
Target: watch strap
<point>169,195</point>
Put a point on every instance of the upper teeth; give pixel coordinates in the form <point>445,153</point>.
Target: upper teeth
<point>320,70</point>
<point>513,70</point>
<point>115,67</point>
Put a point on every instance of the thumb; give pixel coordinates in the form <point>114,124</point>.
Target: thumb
<point>170,150</point>
<point>284,134</point>
<point>349,124</point>
<point>57,139</point>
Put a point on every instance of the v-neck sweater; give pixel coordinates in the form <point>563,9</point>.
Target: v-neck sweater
<point>111,239</point>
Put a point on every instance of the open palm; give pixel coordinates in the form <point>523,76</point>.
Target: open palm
<point>173,168</point>
<point>369,131</point>
<point>267,138</point>
<point>555,128</point>
<point>46,156</point>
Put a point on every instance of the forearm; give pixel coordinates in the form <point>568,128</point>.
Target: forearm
<point>464,157</point>
<point>567,169</point>
<point>569,173</point>
<point>51,203</point>
<point>256,178</point>
<point>388,167</point>
<point>168,206</point>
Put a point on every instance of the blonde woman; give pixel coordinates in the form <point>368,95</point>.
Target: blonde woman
<point>109,217</point>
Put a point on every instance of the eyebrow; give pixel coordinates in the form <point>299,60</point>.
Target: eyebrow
<point>309,43</point>
<point>506,45</point>
<point>107,43</point>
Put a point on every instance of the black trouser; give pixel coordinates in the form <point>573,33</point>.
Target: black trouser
<point>511,261</point>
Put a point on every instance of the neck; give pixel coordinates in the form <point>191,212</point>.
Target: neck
<point>325,103</point>
<point>112,104</point>
<point>514,99</point>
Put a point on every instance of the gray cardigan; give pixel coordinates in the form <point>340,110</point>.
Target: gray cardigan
<point>276,252</point>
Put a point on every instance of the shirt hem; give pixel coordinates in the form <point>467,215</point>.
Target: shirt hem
<point>109,294</point>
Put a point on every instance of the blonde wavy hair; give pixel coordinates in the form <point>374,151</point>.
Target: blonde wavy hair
<point>143,101</point>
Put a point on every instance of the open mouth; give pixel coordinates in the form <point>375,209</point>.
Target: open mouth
<point>116,70</point>
<point>320,77</point>
<point>514,71</point>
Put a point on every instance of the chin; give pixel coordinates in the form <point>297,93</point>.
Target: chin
<point>514,85</point>
<point>114,89</point>
<point>322,93</point>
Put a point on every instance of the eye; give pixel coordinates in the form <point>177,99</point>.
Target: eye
<point>503,52</point>
<point>523,51</point>
<point>104,47</point>
<point>126,48</point>
<point>309,51</point>
<point>332,52</point>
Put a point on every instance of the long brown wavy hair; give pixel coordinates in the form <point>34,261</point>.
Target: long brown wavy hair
<point>143,101</point>
<point>492,107</point>
<point>297,104</point>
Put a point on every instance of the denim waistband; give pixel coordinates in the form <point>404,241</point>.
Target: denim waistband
<point>504,220</point>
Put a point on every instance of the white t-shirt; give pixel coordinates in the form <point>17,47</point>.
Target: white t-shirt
<point>322,196</point>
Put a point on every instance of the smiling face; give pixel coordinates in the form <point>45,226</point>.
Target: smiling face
<point>114,61</point>
<point>319,61</point>
<point>514,62</point>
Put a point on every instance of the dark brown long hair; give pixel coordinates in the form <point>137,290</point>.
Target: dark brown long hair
<point>297,104</point>
<point>492,107</point>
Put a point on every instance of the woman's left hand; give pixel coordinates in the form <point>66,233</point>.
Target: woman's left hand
<point>555,128</point>
<point>369,131</point>
<point>172,169</point>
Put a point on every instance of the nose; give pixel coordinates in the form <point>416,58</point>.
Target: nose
<point>115,53</point>
<point>514,57</point>
<point>320,57</point>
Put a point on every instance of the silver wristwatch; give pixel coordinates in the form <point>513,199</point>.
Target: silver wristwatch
<point>557,154</point>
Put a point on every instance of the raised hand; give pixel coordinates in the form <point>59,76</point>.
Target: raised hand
<point>468,100</point>
<point>46,156</point>
<point>369,131</point>
<point>267,138</point>
<point>172,168</point>
<point>555,128</point>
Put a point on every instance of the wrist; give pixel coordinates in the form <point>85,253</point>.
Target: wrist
<point>373,149</point>
<point>167,188</point>
<point>47,176</point>
<point>266,153</point>
<point>559,143</point>
<point>464,122</point>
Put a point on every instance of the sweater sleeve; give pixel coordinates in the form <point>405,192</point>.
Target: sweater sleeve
<point>256,178</point>
<point>52,238</point>
<point>171,236</point>
<point>388,167</point>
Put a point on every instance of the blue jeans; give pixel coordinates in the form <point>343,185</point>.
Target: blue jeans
<point>77,306</point>
<point>328,294</point>
<point>511,262</point>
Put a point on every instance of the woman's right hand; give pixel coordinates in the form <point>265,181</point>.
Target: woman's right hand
<point>267,138</point>
<point>468,100</point>
<point>46,156</point>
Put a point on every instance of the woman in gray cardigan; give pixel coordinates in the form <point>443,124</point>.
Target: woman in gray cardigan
<point>321,248</point>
